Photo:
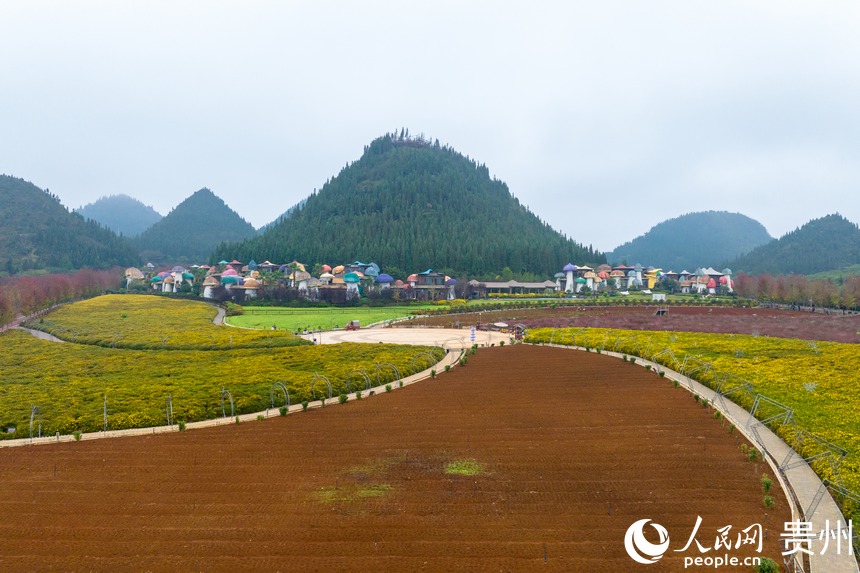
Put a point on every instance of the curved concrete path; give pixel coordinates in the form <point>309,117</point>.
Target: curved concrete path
<point>40,335</point>
<point>799,481</point>
<point>453,345</point>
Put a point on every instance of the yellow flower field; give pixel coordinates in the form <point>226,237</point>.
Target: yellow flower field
<point>818,380</point>
<point>153,322</point>
<point>68,381</point>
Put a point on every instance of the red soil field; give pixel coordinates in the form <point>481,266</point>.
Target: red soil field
<point>728,320</point>
<point>573,448</point>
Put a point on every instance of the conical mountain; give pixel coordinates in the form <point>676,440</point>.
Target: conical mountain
<point>38,232</point>
<point>192,230</point>
<point>121,214</point>
<point>824,244</point>
<point>693,240</point>
<point>410,205</point>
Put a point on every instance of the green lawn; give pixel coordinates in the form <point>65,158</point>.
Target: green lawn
<point>299,319</point>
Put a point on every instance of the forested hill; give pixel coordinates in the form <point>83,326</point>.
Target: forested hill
<point>823,244</point>
<point>121,214</point>
<point>411,205</point>
<point>38,232</point>
<point>693,240</point>
<point>192,230</point>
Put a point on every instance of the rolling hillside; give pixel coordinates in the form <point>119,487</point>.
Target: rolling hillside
<point>693,240</point>
<point>121,214</point>
<point>408,205</point>
<point>38,233</point>
<point>192,230</point>
<point>824,244</point>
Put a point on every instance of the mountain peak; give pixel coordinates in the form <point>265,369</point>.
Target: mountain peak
<point>693,240</point>
<point>411,204</point>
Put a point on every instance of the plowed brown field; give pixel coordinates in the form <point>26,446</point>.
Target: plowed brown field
<point>572,448</point>
<point>833,327</point>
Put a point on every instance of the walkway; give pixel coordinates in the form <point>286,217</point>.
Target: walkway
<point>450,358</point>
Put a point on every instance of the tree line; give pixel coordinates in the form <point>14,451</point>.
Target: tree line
<point>25,295</point>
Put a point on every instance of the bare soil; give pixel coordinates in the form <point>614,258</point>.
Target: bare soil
<point>570,449</point>
<point>833,327</point>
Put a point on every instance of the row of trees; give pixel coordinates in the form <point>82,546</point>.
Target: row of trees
<point>27,294</point>
<point>800,290</point>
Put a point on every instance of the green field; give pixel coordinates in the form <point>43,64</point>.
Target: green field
<point>301,319</point>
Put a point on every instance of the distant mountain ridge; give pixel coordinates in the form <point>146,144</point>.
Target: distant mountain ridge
<point>410,204</point>
<point>693,240</point>
<point>192,230</point>
<point>121,214</point>
<point>824,244</point>
<point>38,233</point>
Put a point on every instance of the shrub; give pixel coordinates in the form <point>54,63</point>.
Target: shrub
<point>358,395</point>
<point>181,425</point>
<point>433,373</point>
<point>766,483</point>
<point>388,387</point>
<point>717,415</point>
<point>753,454</point>
<point>768,501</point>
<point>632,360</point>
<point>447,367</point>
<point>744,449</point>
<point>624,357</point>
<point>473,351</point>
<point>342,398</point>
<point>400,383</point>
<point>237,419</point>
<point>260,417</point>
<point>767,566</point>
<point>282,410</point>
<point>77,434</point>
<point>463,361</point>
<point>731,428</point>
<point>304,405</point>
<point>501,343</point>
<point>662,374</point>
<point>647,367</point>
<point>676,384</point>
<point>696,398</point>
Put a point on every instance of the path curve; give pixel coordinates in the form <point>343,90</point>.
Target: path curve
<point>800,478</point>
<point>41,335</point>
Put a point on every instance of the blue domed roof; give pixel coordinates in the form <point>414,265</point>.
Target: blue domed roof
<point>569,267</point>
<point>384,278</point>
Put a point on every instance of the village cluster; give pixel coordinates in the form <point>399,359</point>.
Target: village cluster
<point>345,282</point>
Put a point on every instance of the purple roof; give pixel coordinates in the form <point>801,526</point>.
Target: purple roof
<point>384,278</point>
<point>450,282</point>
<point>569,267</point>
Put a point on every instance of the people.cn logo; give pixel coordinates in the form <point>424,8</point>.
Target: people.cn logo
<point>640,549</point>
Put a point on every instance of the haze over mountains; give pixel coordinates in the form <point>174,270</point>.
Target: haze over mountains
<point>407,204</point>
<point>38,232</point>
<point>693,240</point>
<point>121,214</point>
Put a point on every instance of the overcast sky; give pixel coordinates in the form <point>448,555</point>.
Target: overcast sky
<point>605,118</point>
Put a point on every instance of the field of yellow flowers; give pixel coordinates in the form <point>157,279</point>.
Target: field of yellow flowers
<point>818,380</point>
<point>143,322</point>
<point>68,382</point>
